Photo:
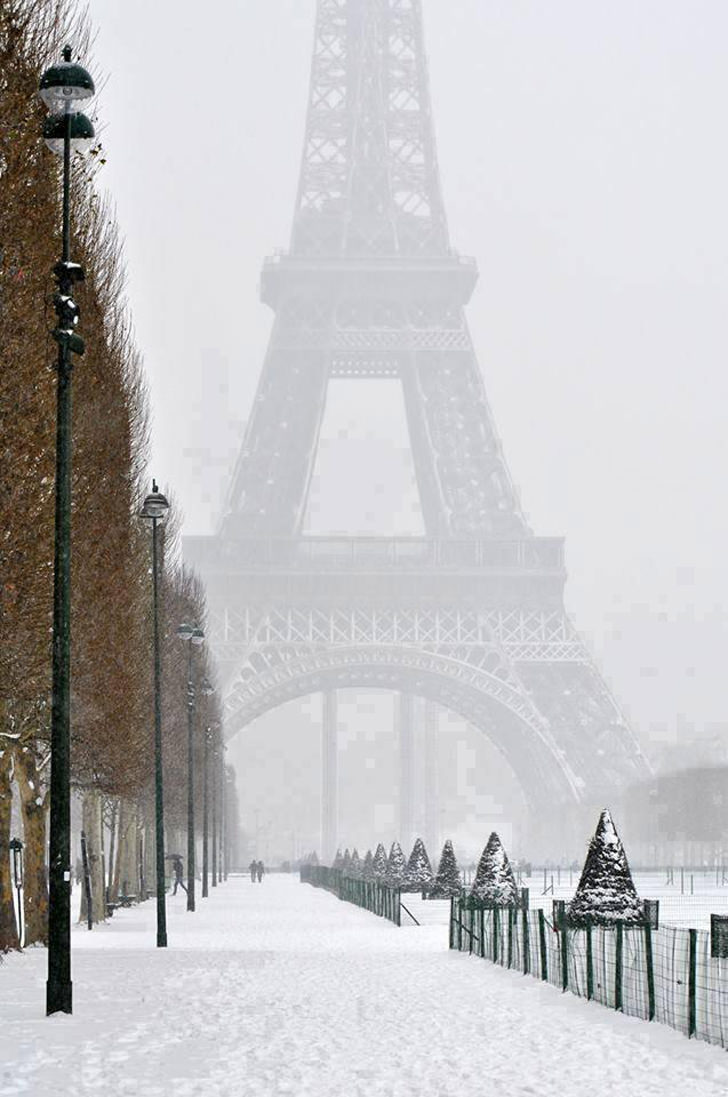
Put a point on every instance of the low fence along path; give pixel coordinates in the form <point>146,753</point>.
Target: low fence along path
<point>281,988</point>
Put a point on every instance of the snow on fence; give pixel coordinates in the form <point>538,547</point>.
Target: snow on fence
<point>666,974</point>
<point>368,894</point>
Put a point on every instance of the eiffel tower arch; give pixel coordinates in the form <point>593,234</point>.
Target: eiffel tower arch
<point>471,615</point>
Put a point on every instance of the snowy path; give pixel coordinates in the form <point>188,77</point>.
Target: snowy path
<point>280,989</point>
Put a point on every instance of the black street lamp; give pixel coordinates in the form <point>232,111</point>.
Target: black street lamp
<point>222,868</point>
<point>193,636</point>
<point>155,511</point>
<point>207,690</point>
<point>61,87</point>
<point>215,754</point>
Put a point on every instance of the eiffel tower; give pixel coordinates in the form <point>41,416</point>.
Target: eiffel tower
<point>471,615</point>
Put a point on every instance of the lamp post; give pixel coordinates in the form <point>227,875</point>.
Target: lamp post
<point>155,511</point>
<point>16,847</point>
<point>215,752</point>
<point>207,691</point>
<point>61,87</point>
<point>193,637</point>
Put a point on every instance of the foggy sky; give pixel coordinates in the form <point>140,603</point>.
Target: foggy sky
<point>583,162</point>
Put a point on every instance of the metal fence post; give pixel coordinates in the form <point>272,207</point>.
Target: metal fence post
<point>526,944</point>
<point>618,966</point>
<point>496,921</point>
<point>692,971</point>
<point>511,913</point>
<point>542,944</point>
<point>589,962</point>
<point>564,956</point>
<point>650,974</point>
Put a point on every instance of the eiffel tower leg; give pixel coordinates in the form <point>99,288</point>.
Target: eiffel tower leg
<point>406,771</point>
<point>432,837</point>
<point>330,777</point>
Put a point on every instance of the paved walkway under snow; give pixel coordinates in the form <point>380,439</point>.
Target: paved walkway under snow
<point>280,989</point>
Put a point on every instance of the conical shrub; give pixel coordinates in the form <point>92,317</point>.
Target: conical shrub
<point>494,881</point>
<point>367,868</point>
<point>355,866</point>
<point>396,865</point>
<point>418,873</point>
<point>606,893</point>
<point>379,864</point>
<point>447,881</point>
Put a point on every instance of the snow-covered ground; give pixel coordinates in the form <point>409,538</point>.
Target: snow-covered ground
<point>279,988</point>
<point>676,908</point>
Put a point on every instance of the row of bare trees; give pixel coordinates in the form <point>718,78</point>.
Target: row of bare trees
<point>112,703</point>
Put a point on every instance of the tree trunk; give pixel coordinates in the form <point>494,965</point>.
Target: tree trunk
<point>126,873</point>
<point>34,809</point>
<point>92,827</point>
<point>8,928</point>
<point>112,886</point>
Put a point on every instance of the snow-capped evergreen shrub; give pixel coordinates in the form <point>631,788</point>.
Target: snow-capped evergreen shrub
<point>338,861</point>
<point>367,868</point>
<point>396,865</point>
<point>355,867</point>
<point>379,863</point>
<point>606,893</point>
<point>418,873</point>
<point>447,881</point>
<point>346,862</point>
<point>494,881</point>
<point>313,860</point>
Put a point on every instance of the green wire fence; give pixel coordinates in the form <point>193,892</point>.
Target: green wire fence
<point>369,894</point>
<point>666,975</point>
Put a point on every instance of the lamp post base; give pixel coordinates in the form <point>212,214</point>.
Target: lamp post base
<point>59,998</point>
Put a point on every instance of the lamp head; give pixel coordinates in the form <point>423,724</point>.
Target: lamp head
<point>156,505</point>
<point>197,637</point>
<point>184,631</point>
<point>65,82</point>
<point>54,132</point>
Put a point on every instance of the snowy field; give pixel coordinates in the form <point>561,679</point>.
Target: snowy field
<point>280,988</point>
<point>676,909</point>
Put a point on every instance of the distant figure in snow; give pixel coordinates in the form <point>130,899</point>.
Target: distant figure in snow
<point>260,870</point>
<point>253,870</point>
<point>178,872</point>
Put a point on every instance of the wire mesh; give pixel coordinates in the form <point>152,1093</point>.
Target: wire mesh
<point>666,973</point>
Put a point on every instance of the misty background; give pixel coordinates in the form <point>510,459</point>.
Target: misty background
<point>583,164</point>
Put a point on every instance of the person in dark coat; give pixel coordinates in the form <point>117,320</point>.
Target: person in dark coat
<point>253,870</point>
<point>178,872</point>
<point>260,870</point>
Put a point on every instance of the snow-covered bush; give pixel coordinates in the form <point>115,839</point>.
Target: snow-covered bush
<point>418,873</point>
<point>379,864</point>
<point>494,881</point>
<point>447,881</point>
<point>396,865</point>
<point>606,893</point>
<point>367,868</point>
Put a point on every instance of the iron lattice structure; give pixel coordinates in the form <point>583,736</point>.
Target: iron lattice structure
<point>471,615</point>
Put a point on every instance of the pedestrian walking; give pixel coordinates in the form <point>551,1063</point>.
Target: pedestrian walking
<point>177,868</point>
<point>260,870</point>
<point>253,870</point>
